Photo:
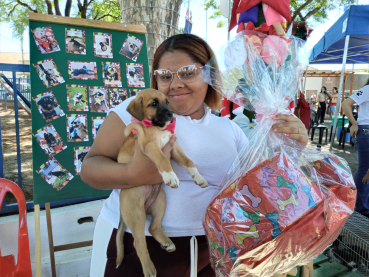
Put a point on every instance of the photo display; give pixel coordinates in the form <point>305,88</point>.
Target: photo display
<point>131,47</point>
<point>48,106</point>
<point>103,45</point>
<point>117,96</point>
<point>45,40</point>
<point>48,73</point>
<point>98,99</point>
<point>75,41</point>
<point>79,155</point>
<point>77,98</point>
<point>49,140</point>
<point>77,127</point>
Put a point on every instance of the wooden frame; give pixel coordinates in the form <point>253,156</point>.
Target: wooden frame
<point>141,29</point>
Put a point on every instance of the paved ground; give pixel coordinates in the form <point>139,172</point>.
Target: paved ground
<point>349,153</point>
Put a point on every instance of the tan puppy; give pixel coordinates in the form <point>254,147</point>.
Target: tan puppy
<point>136,202</point>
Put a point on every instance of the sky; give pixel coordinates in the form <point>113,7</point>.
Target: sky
<point>216,37</point>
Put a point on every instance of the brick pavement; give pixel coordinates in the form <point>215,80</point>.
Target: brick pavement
<point>349,153</point>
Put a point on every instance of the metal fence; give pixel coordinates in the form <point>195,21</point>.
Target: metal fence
<point>23,85</point>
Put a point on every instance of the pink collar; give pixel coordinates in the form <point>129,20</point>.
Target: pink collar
<point>148,123</point>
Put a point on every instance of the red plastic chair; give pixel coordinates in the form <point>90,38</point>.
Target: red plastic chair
<point>8,268</point>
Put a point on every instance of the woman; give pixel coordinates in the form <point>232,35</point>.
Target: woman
<point>360,130</point>
<point>211,142</point>
<point>333,101</point>
<point>321,98</point>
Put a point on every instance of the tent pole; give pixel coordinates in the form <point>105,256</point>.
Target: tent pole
<point>340,91</point>
<point>352,78</point>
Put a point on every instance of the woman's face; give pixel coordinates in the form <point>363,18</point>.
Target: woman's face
<point>323,89</point>
<point>184,98</point>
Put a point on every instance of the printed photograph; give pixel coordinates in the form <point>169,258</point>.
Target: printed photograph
<point>131,47</point>
<point>54,174</point>
<point>79,155</point>
<point>133,92</point>
<point>45,40</point>
<point>96,124</point>
<point>77,127</point>
<point>103,45</point>
<point>117,96</point>
<point>111,74</point>
<point>82,70</point>
<point>77,98</point>
<point>99,99</point>
<point>48,106</point>
<point>135,75</point>
<point>75,41</point>
<point>49,140</point>
<point>48,73</point>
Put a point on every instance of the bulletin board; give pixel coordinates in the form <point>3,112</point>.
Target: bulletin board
<point>80,68</point>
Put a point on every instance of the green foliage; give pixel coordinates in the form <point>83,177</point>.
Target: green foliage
<point>16,12</point>
<point>312,11</point>
<point>181,30</point>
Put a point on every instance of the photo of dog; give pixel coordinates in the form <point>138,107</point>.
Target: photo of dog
<point>111,74</point>
<point>103,45</point>
<point>77,127</point>
<point>99,99</point>
<point>135,75</point>
<point>96,124</point>
<point>48,106</point>
<point>77,98</point>
<point>79,155</point>
<point>82,70</point>
<point>49,140</point>
<point>48,73</point>
<point>75,40</point>
<point>134,91</point>
<point>54,174</point>
<point>131,47</point>
<point>45,40</point>
<point>135,202</point>
<point>117,96</point>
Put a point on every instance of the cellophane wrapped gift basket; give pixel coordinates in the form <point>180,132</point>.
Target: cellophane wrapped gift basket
<point>280,203</point>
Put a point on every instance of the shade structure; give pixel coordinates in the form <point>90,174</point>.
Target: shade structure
<point>355,23</point>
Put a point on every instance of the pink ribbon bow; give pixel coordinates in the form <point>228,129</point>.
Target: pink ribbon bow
<point>148,123</point>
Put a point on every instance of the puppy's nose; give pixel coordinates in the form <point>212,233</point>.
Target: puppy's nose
<point>168,112</point>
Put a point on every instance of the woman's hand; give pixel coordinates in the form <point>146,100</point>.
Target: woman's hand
<point>366,178</point>
<point>354,129</point>
<point>292,127</point>
<point>142,171</point>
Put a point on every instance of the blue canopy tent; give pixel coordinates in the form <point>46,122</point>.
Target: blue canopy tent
<point>347,41</point>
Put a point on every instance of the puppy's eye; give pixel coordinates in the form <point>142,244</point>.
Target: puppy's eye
<point>153,104</point>
<point>167,101</point>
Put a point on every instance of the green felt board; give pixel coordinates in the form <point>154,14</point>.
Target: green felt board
<point>76,188</point>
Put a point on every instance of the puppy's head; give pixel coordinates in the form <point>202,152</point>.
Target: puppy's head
<point>111,69</point>
<point>47,103</point>
<point>151,104</point>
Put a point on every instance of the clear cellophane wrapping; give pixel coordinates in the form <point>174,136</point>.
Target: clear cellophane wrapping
<point>280,204</point>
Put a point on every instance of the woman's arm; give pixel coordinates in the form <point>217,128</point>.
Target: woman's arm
<point>346,108</point>
<point>100,168</point>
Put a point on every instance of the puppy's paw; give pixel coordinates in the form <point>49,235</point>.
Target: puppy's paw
<point>170,179</point>
<point>196,176</point>
<point>149,269</point>
<point>170,247</point>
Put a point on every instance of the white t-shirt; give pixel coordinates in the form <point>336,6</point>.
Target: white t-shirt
<point>362,99</point>
<point>212,143</point>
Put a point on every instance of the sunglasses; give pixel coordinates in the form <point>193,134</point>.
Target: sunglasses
<point>186,74</point>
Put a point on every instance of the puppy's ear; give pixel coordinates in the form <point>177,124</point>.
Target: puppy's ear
<point>135,108</point>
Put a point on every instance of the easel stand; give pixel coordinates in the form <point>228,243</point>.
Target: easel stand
<point>62,247</point>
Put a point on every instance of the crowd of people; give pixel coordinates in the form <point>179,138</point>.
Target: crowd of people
<point>356,109</point>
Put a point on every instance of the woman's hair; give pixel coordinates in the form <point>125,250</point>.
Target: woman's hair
<point>199,51</point>
<point>321,90</point>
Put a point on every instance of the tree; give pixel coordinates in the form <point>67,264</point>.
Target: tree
<point>160,18</point>
<point>15,12</point>
<point>301,10</point>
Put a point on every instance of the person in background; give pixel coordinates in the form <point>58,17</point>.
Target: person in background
<point>322,106</point>
<point>360,132</point>
<point>333,101</point>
